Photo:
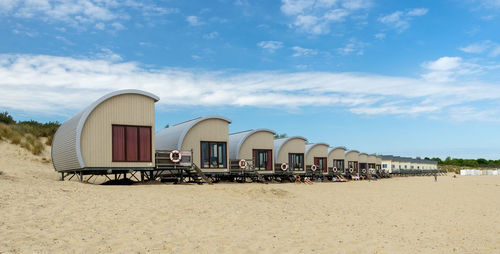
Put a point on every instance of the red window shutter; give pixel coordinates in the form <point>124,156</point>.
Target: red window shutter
<point>132,143</point>
<point>325,168</point>
<point>144,143</point>
<point>118,136</point>
<point>269,165</point>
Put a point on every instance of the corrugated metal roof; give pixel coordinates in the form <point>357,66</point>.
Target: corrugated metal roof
<point>331,149</point>
<point>171,138</point>
<point>237,139</point>
<point>352,151</point>
<point>310,146</point>
<point>278,144</point>
<point>66,153</point>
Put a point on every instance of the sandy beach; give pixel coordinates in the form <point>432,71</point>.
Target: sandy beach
<point>39,214</point>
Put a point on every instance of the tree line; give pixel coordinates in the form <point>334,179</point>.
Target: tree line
<point>467,162</point>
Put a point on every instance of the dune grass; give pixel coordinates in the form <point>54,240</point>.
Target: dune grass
<point>27,134</point>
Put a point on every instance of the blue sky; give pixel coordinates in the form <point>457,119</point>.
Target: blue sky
<point>410,78</point>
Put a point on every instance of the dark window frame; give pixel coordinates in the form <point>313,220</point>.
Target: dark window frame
<point>291,162</point>
<point>255,154</point>
<point>209,152</point>
<point>339,164</point>
<point>324,160</point>
<point>138,143</point>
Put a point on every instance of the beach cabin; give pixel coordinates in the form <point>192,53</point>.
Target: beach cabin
<point>316,158</point>
<point>113,134</point>
<point>336,159</point>
<point>363,163</point>
<point>388,163</point>
<point>255,147</point>
<point>352,159</point>
<point>207,137</point>
<point>372,162</point>
<point>405,163</point>
<point>378,163</point>
<point>290,151</point>
<point>397,164</point>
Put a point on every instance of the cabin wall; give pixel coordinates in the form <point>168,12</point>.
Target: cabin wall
<point>292,146</point>
<point>362,158</point>
<point>96,138</point>
<point>316,151</point>
<point>215,130</point>
<point>337,154</point>
<point>258,140</point>
<point>351,157</point>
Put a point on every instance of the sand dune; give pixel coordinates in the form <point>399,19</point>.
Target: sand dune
<point>39,214</point>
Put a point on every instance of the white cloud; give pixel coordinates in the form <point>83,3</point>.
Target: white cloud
<point>447,69</point>
<point>444,64</point>
<point>118,26</point>
<point>380,36</point>
<point>271,46</point>
<point>400,20</point>
<point>495,51</point>
<point>194,21</point>
<point>316,16</point>
<point>61,85</point>
<point>352,47</point>
<point>100,26</point>
<point>211,35</point>
<point>78,12</point>
<point>492,48</point>
<point>299,51</point>
<point>417,12</point>
<point>488,3</point>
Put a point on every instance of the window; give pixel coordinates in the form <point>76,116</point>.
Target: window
<point>263,159</point>
<point>393,166</point>
<point>213,154</point>
<point>296,161</point>
<point>384,165</point>
<point>131,143</point>
<point>339,164</point>
<point>353,165</point>
<point>320,162</point>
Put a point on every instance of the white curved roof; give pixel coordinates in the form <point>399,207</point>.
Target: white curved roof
<point>66,153</point>
<point>331,149</point>
<point>237,139</point>
<point>310,146</point>
<point>352,151</point>
<point>279,143</point>
<point>171,138</point>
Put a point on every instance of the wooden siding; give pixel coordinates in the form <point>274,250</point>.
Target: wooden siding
<point>317,151</point>
<point>261,140</point>
<point>215,130</point>
<point>337,154</point>
<point>353,156</point>
<point>295,145</point>
<point>96,140</point>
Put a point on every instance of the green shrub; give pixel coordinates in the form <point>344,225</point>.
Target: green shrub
<point>6,118</point>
